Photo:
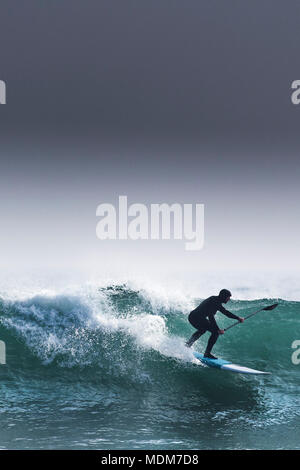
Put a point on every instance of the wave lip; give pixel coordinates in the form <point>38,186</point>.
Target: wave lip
<point>122,324</point>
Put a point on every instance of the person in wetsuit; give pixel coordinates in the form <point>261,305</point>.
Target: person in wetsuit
<point>203,319</point>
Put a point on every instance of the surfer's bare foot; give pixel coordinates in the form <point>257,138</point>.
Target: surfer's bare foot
<point>209,356</point>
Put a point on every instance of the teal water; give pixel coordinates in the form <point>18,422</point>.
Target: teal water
<point>107,369</point>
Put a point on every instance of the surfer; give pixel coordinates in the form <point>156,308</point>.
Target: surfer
<point>203,319</point>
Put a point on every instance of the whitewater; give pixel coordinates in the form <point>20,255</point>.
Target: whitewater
<point>103,365</point>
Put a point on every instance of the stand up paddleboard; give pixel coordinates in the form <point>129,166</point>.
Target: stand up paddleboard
<point>226,365</point>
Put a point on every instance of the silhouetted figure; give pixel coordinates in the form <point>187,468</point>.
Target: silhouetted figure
<point>203,319</point>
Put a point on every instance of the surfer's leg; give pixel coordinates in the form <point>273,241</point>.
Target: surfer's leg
<point>194,338</point>
<point>201,329</point>
<point>211,341</point>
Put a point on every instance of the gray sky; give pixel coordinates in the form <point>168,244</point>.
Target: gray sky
<point>164,102</point>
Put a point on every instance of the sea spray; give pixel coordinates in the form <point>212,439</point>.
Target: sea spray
<point>110,359</point>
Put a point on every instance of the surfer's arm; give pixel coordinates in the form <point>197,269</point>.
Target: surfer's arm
<point>227,313</point>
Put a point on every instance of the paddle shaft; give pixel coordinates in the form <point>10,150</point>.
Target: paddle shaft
<point>248,316</point>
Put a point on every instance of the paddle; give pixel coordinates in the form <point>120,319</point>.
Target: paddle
<point>269,307</point>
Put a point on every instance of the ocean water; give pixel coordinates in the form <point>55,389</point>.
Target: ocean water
<point>104,366</point>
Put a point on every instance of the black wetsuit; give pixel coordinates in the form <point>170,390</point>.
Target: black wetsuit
<point>203,319</point>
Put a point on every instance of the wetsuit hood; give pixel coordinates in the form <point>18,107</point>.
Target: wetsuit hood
<point>224,294</point>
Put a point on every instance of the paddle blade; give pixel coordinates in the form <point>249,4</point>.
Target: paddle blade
<point>270,307</point>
